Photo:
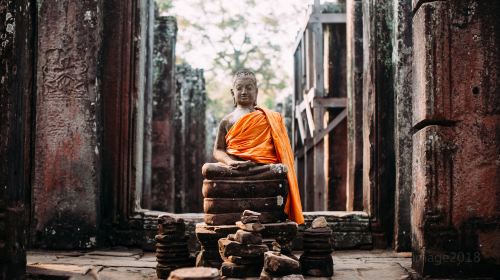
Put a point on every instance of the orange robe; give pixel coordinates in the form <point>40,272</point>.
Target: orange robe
<point>261,137</point>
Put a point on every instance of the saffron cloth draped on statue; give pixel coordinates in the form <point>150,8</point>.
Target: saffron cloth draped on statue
<point>261,137</point>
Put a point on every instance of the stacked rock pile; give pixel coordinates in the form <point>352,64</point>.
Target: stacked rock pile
<point>171,246</point>
<point>317,259</point>
<point>195,273</point>
<point>243,252</point>
<point>208,236</point>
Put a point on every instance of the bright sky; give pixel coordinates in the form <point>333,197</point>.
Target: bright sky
<point>291,15</point>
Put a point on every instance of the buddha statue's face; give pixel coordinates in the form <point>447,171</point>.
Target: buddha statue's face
<point>245,92</point>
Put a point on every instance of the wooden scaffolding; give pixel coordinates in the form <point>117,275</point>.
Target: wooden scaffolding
<point>320,99</point>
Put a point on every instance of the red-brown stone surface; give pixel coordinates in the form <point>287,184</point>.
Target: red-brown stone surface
<point>67,153</point>
<point>455,204</point>
<point>163,142</point>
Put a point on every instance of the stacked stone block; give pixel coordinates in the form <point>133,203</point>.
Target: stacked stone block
<point>317,259</point>
<point>171,246</point>
<point>243,252</point>
<point>226,198</point>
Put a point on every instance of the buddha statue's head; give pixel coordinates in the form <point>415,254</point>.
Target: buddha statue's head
<point>244,89</point>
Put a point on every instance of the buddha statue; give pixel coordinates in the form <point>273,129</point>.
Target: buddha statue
<point>252,145</point>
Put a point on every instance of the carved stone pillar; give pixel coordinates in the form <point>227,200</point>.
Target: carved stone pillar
<point>162,184</point>
<point>378,119</point>
<point>67,151</point>
<point>402,56</point>
<point>189,155</point>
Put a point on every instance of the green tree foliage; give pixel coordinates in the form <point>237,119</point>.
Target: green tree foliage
<point>234,35</point>
<point>165,5</point>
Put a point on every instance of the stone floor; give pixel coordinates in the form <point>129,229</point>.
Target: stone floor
<point>120,263</point>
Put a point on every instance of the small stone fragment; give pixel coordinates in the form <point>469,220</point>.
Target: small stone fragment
<point>276,246</point>
<point>250,219</point>
<point>232,248</point>
<point>249,216</point>
<point>231,236</point>
<point>250,213</point>
<point>319,222</point>
<point>251,227</point>
<point>277,264</point>
<point>245,237</point>
<point>195,273</point>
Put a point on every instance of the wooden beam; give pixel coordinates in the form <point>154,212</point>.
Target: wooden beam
<point>310,144</point>
<point>298,116</point>
<point>330,127</point>
<point>307,98</point>
<point>319,84</point>
<point>310,120</point>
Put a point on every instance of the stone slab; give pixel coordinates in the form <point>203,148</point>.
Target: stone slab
<point>194,273</point>
<point>245,237</point>
<point>243,188</point>
<point>232,205</point>
<point>232,248</point>
<point>231,218</point>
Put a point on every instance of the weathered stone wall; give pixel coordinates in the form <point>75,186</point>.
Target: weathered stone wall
<point>67,152</point>
<point>456,144</point>
<point>16,96</point>
<point>162,180</point>
<point>189,151</point>
<point>378,119</point>
<point>402,60</point>
<point>150,16</point>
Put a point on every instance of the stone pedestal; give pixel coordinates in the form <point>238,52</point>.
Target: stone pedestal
<point>226,198</point>
<point>208,236</point>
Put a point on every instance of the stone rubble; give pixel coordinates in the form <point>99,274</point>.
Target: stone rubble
<point>243,252</point>
<point>277,265</point>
